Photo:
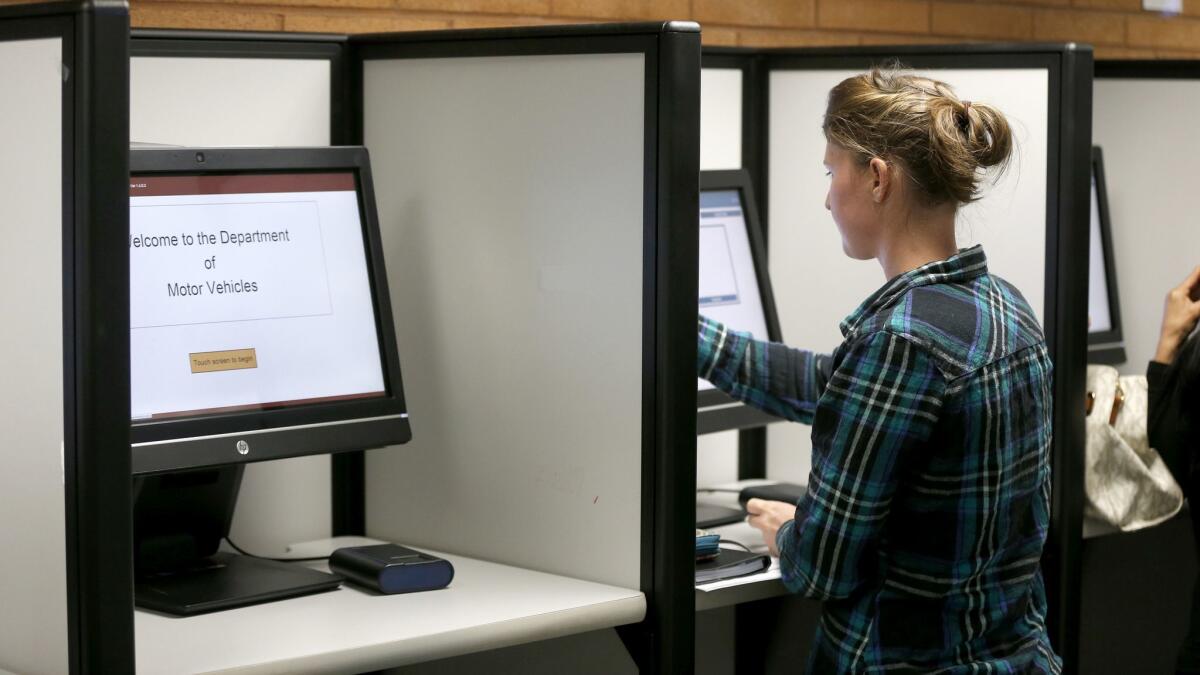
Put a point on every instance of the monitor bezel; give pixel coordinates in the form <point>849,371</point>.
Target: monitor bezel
<point>727,415</point>
<point>174,444</point>
<point>1113,335</point>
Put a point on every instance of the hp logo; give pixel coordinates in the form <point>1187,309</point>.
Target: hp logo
<point>243,448</point>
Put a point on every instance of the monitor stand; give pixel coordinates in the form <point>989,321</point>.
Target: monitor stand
<point>179,520</point>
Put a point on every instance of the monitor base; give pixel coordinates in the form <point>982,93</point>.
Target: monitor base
<point>711,515</point>
<point>225,581</point>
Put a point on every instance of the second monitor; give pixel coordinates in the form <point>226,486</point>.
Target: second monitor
<point>1105,343</point>
<point>735,287</point>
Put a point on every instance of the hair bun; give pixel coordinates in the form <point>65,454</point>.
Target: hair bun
<point>989,137</point>
<point>941,141</point>
<point>964,137</point>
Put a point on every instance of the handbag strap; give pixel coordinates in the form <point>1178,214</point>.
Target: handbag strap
<point>1118,404</point>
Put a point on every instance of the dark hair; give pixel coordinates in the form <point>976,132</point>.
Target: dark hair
<point>941,141</point>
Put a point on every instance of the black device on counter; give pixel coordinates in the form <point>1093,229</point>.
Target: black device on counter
<point>224,581</point>
<point>390,568</point>
<point>776,492</point>
<point>729,564</point>
<point>712,515</point>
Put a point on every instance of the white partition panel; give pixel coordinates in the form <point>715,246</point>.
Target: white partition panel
<point>201,101</point>
<point>510,195</point>
<point>1147,129</point>
<point>816,285</point>
<point>33,578</point>
<point>716,458</point>
<point>720,118</point>
<point>222,101</point>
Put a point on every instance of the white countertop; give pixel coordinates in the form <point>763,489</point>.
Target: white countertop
<point>749,588</point>
<point>487,606</point>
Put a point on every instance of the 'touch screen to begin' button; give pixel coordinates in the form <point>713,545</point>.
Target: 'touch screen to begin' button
<point>232,359</point>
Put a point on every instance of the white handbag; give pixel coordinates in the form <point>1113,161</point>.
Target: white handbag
<point>1127,486</point>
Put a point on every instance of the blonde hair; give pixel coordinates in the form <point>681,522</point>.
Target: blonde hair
<point>943,143</point>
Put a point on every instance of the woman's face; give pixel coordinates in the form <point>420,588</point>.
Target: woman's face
<point>852,202</point>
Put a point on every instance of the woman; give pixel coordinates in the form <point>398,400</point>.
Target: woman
<point>1173,421</point>
<point>929,495</point>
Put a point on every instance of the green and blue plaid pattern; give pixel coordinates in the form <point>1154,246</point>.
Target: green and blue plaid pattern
<point>929,496</point>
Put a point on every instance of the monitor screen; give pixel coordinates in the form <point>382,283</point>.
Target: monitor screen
<point>249,292</point>
<point>260,318</point>
<point>1099,315</point>
<point>1104,307</point>
<point>729,290</point>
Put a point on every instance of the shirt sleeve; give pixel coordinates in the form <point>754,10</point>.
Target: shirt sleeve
<point>1156,376</point>
<point>774,378</point>
<point>1162,420</point>
<point>883,401</point>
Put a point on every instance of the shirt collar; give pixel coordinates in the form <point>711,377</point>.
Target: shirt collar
<point>967,264</point>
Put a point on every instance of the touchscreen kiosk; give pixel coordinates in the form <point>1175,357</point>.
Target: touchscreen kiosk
<point>734,286</point>
<point>260,328</point>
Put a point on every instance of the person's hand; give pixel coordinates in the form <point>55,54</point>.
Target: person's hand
<point>767,517</point>
<point>1180,313</point>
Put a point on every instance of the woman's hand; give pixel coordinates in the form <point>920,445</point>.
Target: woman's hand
<point>767,517</point>
<point>1180,313</point>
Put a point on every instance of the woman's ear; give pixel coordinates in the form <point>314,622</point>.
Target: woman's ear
<point>882,178</point>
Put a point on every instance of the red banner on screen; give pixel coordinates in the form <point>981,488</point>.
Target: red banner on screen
<point>157,186</point>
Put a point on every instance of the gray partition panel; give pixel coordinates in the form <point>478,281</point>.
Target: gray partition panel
<point>220,101</point>
<point>65,579</point>
<point>1032,223</point>
<point>538,195</point>
<point>1149,143</point>
<point>33,627</point>
<point>511,204</point>
<point>218,90</point>
<point>721,118</point>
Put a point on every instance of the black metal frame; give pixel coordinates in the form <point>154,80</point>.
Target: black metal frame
<point>212,440</point>
<point>1143,69</point>
<point>1067,213</point>
<point>98,534</point>
<point>716,410</point>
<point>1102,345</point>
<point>663,642</point>
<point>102,536</point>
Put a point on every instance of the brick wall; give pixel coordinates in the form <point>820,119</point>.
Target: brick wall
<point>1117,28</point>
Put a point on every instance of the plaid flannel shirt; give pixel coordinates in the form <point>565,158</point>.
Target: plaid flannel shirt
<point>929,496</point>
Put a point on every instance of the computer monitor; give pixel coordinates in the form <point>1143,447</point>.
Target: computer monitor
<point>735,287</point>
<point>260,328</point>
<point>1104,311</point>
